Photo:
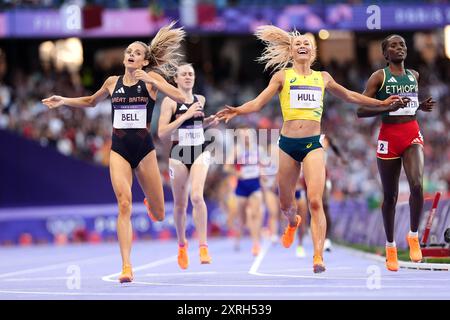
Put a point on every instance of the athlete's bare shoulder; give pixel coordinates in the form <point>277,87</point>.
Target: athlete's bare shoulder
<point>415,73</point>
<point>379,74</point>
<point>110,83</point>
<point>377,78</point>
<point>278,78</point>
<point>111,80</point>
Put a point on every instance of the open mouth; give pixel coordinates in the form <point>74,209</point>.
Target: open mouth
<point>302,51</point>
<point>131,60</point>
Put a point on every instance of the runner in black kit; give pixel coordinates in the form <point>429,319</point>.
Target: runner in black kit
<point>188,160</point>
<point>133,97</point>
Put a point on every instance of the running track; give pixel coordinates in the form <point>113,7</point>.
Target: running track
<point>42,272</point>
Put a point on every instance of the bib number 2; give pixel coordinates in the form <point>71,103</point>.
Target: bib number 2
<point>382,147</point>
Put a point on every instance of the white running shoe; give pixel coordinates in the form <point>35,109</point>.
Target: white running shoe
<point>327,246</point>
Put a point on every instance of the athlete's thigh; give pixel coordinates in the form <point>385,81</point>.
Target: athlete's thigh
<point>121,176</point>
<point>389,173</point>
<point>255,201</point>
<point>288,173</point>
<point>179,181</point>
<point>314,172</point>
<point>241,207</point>
<point>149,177</point>
<point>199,172</point>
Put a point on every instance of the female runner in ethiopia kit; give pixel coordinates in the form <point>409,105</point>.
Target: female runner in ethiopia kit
<point>399,141</point>
<point>133,97</point>
<point>188,160</point>
<point>301,91</point>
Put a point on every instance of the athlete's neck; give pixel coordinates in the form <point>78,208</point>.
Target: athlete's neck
<point>129,78</point>
<point>397,69</point>
<point>188,94</point>
<point>303,69</point>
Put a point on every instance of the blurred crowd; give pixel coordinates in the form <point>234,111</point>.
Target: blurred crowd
<point>86,133</point>
<point>125,4</point>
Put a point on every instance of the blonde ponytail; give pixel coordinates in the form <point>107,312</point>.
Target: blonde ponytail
<point>277,53</point>
<point>164,49</point>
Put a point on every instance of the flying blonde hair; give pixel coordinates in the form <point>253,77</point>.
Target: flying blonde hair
<point>164,55</point>
<point>277,53</point>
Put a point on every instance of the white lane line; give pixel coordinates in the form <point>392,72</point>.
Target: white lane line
<point>327,277</point>
<point>55,266</point>
<point>402,264</point>
<point>206,295</point>
<point>255,266</point>
<point>257,263</point>
<point>181,273</point>
<point>309,293</point>
<point>153,264</point>
<point>281,286</point>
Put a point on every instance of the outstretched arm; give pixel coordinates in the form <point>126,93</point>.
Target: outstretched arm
<point>275,84</point>
<point>354,97</point>
<point>82,102</point>
<point>159,83</point>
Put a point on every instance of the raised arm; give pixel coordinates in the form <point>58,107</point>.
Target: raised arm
<point>159,83</point>
<point>82,102</point>
<point>354,97</point>
<point>275,84</point>
<point>165,127</point>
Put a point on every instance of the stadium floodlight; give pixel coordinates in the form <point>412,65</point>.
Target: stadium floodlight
<point>447,41</point>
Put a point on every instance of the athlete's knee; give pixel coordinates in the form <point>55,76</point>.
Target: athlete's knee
<point>416,189</point>
<point>315,203</point>
<point>124,204</point>
<point>180,207</point>
<point>390,199</point>
<point>197,198</point>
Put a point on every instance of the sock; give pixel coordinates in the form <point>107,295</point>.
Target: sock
<point>203,245</point>
<point>181,244</point>
<point>390,244</point>
<point>413,234</point>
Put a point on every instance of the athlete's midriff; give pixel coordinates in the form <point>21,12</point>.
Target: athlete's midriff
<point>398,119</point>
<point>300,128</point>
